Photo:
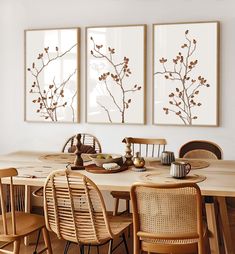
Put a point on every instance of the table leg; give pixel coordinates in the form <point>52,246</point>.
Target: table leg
<point>228,244</point>
<point>27,208</point>
<point>212,227</point>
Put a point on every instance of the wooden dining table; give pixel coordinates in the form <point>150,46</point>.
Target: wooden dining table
<point>217,182</point>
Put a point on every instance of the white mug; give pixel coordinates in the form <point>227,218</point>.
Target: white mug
<point>180,169</point>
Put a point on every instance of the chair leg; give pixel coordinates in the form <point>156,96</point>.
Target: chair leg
<point>47,240</point>
<point>97,247</point>
<point>128,206</point>
<point>110,246</point>
<point>16,248</point>
<point>125,243</point>
<point>116,204</point>
<point>36,245</point>
<point>89,248</point>
<point>82,249</point>
<point>66,248</point>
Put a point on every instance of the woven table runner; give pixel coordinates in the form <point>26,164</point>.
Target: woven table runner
<point>163,178</point>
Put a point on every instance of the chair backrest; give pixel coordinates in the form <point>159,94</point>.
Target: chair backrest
<point>86,139</point>
<point>145,146</point>
<point>8,229</point>
<point>200,149</point>
<point>166,212</point>
<point>74,208</point>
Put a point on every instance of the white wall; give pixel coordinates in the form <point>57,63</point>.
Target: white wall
<point>17,15</point>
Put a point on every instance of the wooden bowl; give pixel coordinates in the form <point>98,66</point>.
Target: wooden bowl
<point>100,161</point>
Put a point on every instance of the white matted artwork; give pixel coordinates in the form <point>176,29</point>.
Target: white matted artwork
<point>52,75</point>
<point>185,78</point>
<point>115,85</point>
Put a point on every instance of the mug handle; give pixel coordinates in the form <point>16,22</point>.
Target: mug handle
<point>188,168</point>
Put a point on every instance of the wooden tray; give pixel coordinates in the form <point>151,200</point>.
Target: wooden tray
<point>92,168</point>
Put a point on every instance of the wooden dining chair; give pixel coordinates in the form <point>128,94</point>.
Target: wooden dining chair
<point>200,149</point>
<point>91,145</point>
<point>147,148</point>
<point>75,211</point>
<point>86,139</point>
<point>168,218</point>
<point>203,149</point>
<point>16,225</point>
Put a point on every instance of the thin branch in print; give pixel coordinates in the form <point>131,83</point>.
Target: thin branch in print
<point>50,99</point>
<point>116,77</point>
<point>184,98</point>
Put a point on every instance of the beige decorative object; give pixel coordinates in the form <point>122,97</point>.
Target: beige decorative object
<point>164,178</point>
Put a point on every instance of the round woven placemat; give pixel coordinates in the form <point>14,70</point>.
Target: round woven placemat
<point>63,158</point>
<point>163,178</point>
<point>195,164</point>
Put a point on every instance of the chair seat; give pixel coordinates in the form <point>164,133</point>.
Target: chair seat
<point>25,224</point>
<point>121,194</point>
<point>119,224</point>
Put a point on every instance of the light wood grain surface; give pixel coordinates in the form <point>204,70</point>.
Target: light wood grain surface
<point>220,175</point>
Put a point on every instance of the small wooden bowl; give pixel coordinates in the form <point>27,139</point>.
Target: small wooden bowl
<point>99,162</point>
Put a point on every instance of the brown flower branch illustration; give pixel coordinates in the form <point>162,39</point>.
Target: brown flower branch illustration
<point>50,99</point>
<point>184,98</point>
<point>117,77</point>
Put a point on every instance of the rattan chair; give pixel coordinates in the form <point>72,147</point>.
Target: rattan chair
<point>203,149</point>
<point>75,210</point>
<point>16,225</point>
<point>168,218</point>
<point>147,148</point>
<point>200,149</point>
<point>86,139</point>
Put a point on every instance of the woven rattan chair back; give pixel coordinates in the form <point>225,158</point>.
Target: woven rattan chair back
<point>10,205</point>
<point>200,149</point>
<point>146,147</point>
<point>74,208</point>
<point>165,215</point>
<point>86,139</point>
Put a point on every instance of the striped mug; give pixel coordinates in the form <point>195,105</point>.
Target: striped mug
<point>180,169</point>
<point>167,157</point>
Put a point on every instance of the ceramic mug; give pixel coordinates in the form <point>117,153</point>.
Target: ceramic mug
<point>167,157</point>
<point>180,169</point>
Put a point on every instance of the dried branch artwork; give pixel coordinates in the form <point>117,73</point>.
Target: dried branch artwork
<point>117,76</point>
<point>51,97</point>
<point>183,98</point>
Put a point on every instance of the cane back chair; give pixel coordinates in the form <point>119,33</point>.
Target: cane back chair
<point>75,210</point>
<point>147,148</point>
<point>16,225</point>
<point>92,143</point>
<point>201,149</point>
<point>167,218</point>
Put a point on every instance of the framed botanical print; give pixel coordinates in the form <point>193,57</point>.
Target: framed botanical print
<point>185,73</point>
<point>52,75</point>
<point>115,74</point>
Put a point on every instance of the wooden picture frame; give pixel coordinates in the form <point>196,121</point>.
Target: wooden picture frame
<point>116,74</point>
<point>52,75</point>
<point>186,74</point>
